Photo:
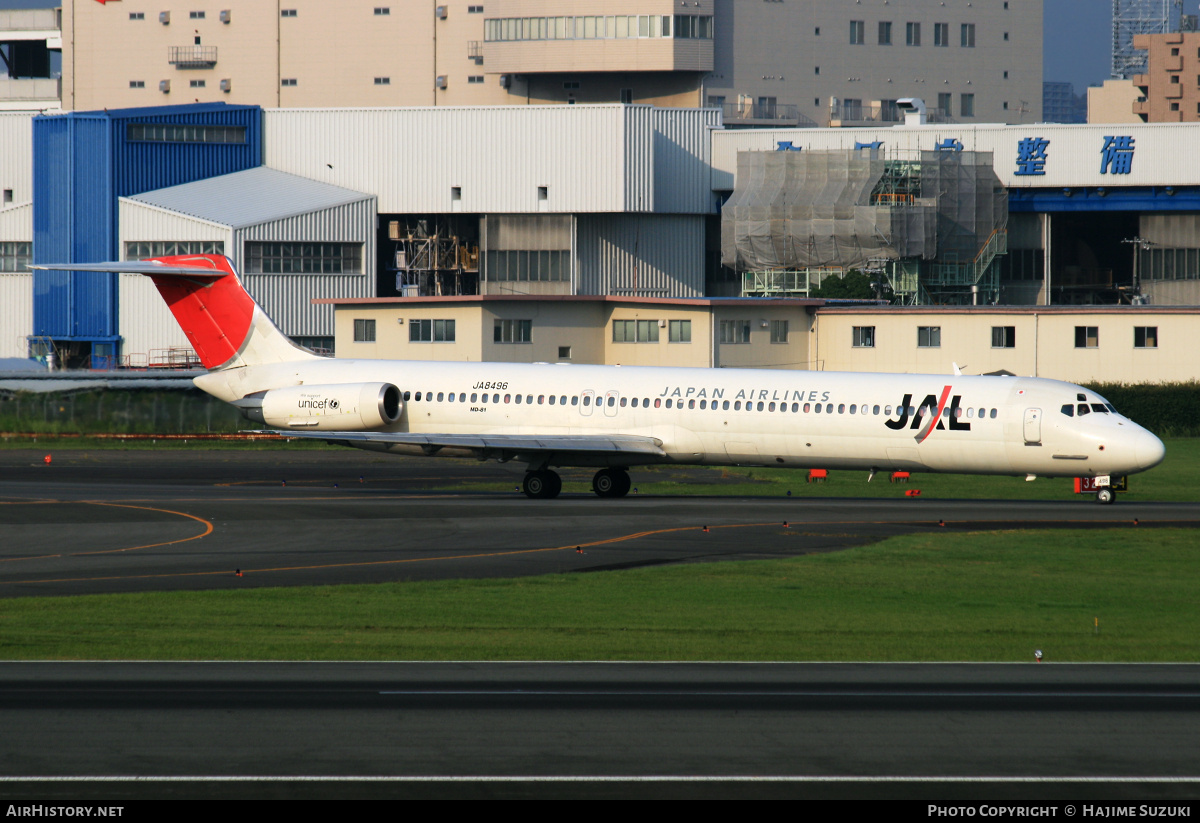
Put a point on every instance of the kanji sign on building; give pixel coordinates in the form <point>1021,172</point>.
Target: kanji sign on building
<point>1117,155</point>
<point>1031,156</point>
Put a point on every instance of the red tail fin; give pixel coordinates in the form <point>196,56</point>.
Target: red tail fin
<point>216,315</point>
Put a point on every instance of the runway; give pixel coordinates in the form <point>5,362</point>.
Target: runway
<point>598,729</point>
<point>124,521</point>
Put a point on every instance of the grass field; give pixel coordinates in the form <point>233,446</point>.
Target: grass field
<point>983,597</point>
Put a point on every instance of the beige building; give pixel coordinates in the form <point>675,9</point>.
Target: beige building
<point>1113,102</point>
<point>1170,88</point>
<point>1079,344</point>
<point>797,63</point>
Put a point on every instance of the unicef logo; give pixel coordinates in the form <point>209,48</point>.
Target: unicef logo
<point>333,404</point>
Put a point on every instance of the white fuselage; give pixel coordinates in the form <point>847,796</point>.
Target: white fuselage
<point>986,425</point>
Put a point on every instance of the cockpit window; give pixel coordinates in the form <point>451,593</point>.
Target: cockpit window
<point>1083,409</point>
<point>1112,409</point>
<point>1099,407</point>
<point>1068,410</point>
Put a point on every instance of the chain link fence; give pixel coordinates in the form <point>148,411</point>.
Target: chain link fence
<point>117,412</point>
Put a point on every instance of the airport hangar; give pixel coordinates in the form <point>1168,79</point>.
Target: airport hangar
<point>578,234</point>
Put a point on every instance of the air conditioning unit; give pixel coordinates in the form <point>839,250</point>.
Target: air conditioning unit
<point>662,324</point>
<point>225,15</point>
<point>505,81</point>
<point>226,84</point>
<point>441,12</point>
<point>164,17</point>
<point>441,81</point>
<point>164,86</point>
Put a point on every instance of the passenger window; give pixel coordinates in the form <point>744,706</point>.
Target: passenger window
<point>668,403</point>
<point>657,403</point>
<point>541,399</point>
<point>612,401</point>
<point>552,399</point>
<point>795,408</point>
<point>737,405</point>
<point>562,401</point>
<point>587,400</point>
<point>817,409</point>
<point>993,415</point>
<point>575,401</point>
<point>622,402</point>
<point>508,398</point>
<point>418,397</point>
<point>760,405</point>
<point>407,396</point>
<point>725,405</point>
<point>829,408</point>
<point>875,410</point>
<point>770,407</point>
<point>518,399</point>
<point>691,404</point>
<point>634,402</point>
<point>970,412</point>
<point>807,408</point>
<point>495,398</point>
<point>1068,410</point>
<point>703,405</point>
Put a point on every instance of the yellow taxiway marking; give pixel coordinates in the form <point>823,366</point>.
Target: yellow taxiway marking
<point>208,529</point>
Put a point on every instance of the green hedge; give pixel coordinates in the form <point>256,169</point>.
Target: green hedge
<point>1167,409</point>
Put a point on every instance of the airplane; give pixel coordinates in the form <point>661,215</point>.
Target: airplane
<point>615,417</point>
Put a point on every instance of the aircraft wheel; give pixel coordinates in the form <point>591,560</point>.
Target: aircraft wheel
<point>611,483</point>
<point>542,485</point>
<point>1105,496</point>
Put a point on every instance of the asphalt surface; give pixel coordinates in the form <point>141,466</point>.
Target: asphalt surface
<point>119,521</point>
<point>598,729</point>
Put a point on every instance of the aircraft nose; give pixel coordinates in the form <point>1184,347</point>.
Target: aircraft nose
<point>1148,450</point>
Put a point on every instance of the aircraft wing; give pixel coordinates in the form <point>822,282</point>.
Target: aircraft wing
<point>491,443</point>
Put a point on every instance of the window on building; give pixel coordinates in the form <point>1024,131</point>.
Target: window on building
<point>137,84</point>
<point>287,12</point>
<point>197,84</point>
<point>1005,37</point>
<point>626,96</point>
<point>137,15</point>
<point>383,81</point>
<point>172,133</point>
<point>512,331</point>
<point>1087,337</point>
<point>1145,337</point>
<point>885,33</point>
<point>196,15</point>
<point>135,250</point>
<point>475,78</point>
<point>858,30</point>
<point>474,9</point>
<point>1004,337</point>
<point>364,331</point>
<point>735,331</point>
<point>1174,107</point>
<point>941,34</point>
<point>864,337</point>
<point>680,331</point>
<point>912,34</point>
<point>564,353</point>
<point>380,11</point>
<point>527,247</point>
<point>944,103</point>
<point>15,256</point>
<point>431,331</point>
<point>967,36</point>
<point>779,331</point>
<point>288,81</point>
<point>303,258</point>
<point>929,337</point>
<point>966,105</point>
<point>635,331</point>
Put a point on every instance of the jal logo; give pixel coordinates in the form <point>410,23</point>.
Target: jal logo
<point>923,421</point>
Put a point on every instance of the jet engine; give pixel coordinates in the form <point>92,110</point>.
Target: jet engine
<point>333,407</point>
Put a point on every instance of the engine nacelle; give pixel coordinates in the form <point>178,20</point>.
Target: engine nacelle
<point>332,407</point>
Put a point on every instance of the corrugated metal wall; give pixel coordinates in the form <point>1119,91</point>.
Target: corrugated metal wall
<point>1073,152</point>
<point>81,164</point>
<point>16,224</point>
<point>140,222</point>
<point>16,313</point>
<point>16,157</point>
<point>682,152</point>
<point>589,158</point>
<point>1172,231</point>
<point>646,255</point>
<point>287,298</point>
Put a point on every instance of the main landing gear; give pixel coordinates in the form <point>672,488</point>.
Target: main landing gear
<point>545,484</point>
<point>542,484</point>
<point>612,482</point>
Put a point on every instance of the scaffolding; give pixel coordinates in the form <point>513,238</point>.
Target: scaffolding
<point>928,226</point>
<point>432,260</point>
<point>1130,17</point>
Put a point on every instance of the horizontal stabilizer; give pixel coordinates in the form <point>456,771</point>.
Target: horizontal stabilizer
<point>133,267</point>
